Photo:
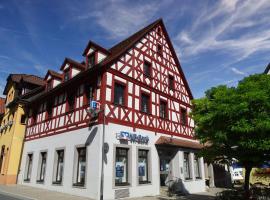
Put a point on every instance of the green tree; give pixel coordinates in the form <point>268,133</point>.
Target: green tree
<point>234,122</point>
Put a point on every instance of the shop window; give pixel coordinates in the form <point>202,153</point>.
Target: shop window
<point>171,82</point>
<point>91,60</point>
<point>28,168</point>
<point>42,167</point>
<point>183,116</point>
<point>121,166</point>
<point>66,76</point>
<point>187,174</point>
<point>147,69</point>
<point>145,103</point>
<point>59,167</point>
<point>80,170</point>
<point>119,94</point>
<point>197,167</point>
<point>163,109</point>
<point>23,119</point>
<point>143,166</point>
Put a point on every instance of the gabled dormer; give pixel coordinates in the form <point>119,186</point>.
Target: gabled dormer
<point>94,54</point>
<point>71,68</point>
<point>52,79</point>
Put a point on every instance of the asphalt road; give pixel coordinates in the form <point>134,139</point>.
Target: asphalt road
<point>7,197</point>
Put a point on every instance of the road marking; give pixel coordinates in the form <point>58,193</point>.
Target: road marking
<point>17,195</point>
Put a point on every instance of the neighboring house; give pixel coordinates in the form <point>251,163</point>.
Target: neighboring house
<point>267,69</point>
<point>149,135</point>
<point>13,121</point>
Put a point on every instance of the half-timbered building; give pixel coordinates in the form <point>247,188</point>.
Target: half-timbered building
<point>145,103</point>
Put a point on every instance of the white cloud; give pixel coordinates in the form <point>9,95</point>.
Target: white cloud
<point>215,31</point>
<point>237,71</point>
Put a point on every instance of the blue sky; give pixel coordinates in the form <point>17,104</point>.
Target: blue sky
<point>217,42</point>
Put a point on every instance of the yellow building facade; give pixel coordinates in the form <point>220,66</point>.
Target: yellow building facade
<point>13,124</point>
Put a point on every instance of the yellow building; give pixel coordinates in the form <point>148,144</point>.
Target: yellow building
<point>13,123</point>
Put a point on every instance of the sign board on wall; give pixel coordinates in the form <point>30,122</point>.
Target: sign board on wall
<point>132,137</point>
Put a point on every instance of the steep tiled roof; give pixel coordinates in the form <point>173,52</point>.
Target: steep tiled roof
<point>2,105</point>
<point>115,52</point>
<point>24,77</point>
<point>54,74</point>
<point>74,63</point>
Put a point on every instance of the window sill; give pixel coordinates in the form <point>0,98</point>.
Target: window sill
<point>122,185</point>
<point>120,105</point>
<point>57,183</point>
<point>188,180</point>
<point>79,185</point>
<point>40,181</point>
<point>145,113</point>
<point>26,180</point>
<point>145,183</point>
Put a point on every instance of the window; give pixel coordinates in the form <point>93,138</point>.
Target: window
<point>49,109</point>
<point>66,76</point>
<point>91,60</point>
<point>81,167</point>
<point>163,109</point>
<point>186,166</point>
<point>121,166</point>
<point>159,49</point>
<point>196,167</point>
<point>147,69</point>
<point>119,94</point>
<point>71,102</point>
<point>2,157</point>
<point>143,166</point>
<point>184,116</point>
<point>49,85</point>
<point>89,93</point>
<point>159,31</point>
<point>145,103</point>
<point>28,170</point>
<point>42,167</point>
<point>171,82</point>
<point>59,166</point>
<point>23,119</point>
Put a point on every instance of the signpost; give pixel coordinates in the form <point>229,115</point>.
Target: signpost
<point>94,111</point>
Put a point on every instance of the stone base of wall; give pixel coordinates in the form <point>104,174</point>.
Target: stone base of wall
<point>8,179</point>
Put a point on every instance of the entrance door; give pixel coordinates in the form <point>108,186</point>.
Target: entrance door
<point>164,170</point>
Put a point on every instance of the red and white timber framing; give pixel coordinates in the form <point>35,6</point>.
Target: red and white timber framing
<point>127,70</point>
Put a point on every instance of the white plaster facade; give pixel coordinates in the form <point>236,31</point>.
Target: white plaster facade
<point>92,137</point>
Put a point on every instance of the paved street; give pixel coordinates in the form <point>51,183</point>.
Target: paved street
<point>19,192</point>
<point>11,197</point>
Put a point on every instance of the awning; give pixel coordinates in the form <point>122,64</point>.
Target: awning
<point>179,142</point>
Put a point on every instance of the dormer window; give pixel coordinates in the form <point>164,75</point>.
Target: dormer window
<point>49,85</point>
<point>91,60</point>
<point>66,76</point>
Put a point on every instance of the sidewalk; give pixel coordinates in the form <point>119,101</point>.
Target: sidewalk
<point>21,192</point>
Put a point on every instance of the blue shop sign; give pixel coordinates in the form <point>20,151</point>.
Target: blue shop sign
<point>132,137</point>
